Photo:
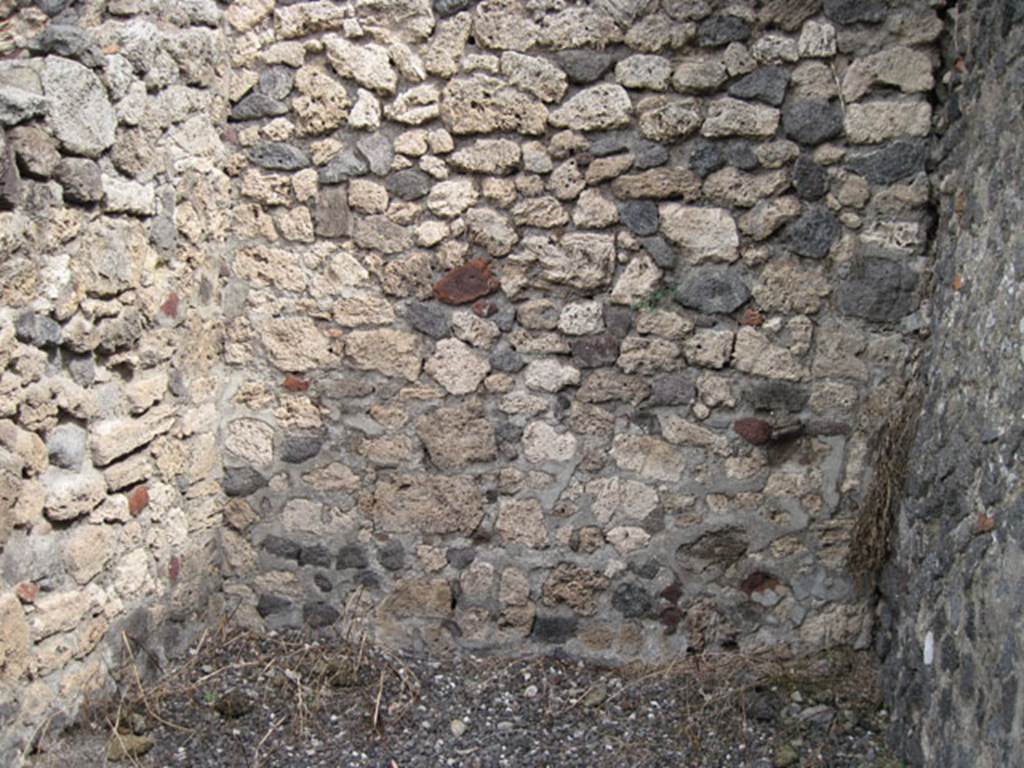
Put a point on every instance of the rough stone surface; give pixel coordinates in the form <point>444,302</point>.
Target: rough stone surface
<point>732,117</point>
<point>427,504</point>
<point>813,233</point>
<point>952,651</point>
<point>702,234</point>
<point>306,300</point>
<point>79,110</point>
<point>712,290</point>
<point>878,289</point>
<point>456,367</point>
<point>767,84</point>
<point>597,108</point>
<point>455,437</point>
<point>813,121</point>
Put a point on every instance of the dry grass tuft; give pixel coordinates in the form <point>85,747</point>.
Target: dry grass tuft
<point>871,538</point>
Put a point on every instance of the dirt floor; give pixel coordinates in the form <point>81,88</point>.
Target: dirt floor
<point>278,701</point>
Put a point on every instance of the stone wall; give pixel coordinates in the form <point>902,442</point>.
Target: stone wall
<point>505,325</point>
<point>113,222</point>
<point>567,325</point>
<point>955,589</point>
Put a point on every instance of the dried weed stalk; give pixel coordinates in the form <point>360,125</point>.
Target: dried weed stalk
<point>871,538</point>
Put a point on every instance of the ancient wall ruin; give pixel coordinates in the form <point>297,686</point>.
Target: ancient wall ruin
<point>509,325</point>
<point>954,592</point>
<point>114,219</point>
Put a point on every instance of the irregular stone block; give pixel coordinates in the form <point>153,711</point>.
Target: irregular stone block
<point>80,114</point>
<point>458,436</point>
<point>894,162</point>
<point>812,121</point>
<point>456,367</point>
<point>113,438</point>
<point>483,104</point>
<point>712,291</point>
<point>597,108</point>
<point>366,63</point>
<point>767,84</point>
<point>813,233</point>
<point>905,68</point>
<point>70,495</point>
<point>427,504</point>
<point>732,117</point>
<point>878,289</point>
<point>877,121</point>
<point>658,184</point>
<point>717,31</point>
<point>81,180</point>
<point>278,156</point>
<point>467,283</point>
<point>703,234</point>
<point>584,66</point>
<point>392,353</point>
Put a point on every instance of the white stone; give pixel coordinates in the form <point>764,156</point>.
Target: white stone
<point>650,457</point>
<point>534,75</point>
<point>899,66</point>
<point>597,108</point>
<point>542,443</point>
<point>456,367</point>
<point>732,117</point>
<point>817,40</point>
<point>709,348</point>
<point>365,113</point>
<point>79,112</point>
<point>581,318</point>
<point>368,64</point>
<point>451,198</point>
<point>251,440</point>
<point>872,122</point>
<point>616,499</point>
<point>644,71</point>
<point>637,281</point>
<point>754,353</point>
<point>126,196</point>
<point>594,211</point>
<point>550,375</point>
<point>699,75</point>
<point>703,234</point>
<point>628,538</point>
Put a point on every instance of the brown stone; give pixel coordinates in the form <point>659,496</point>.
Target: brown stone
<point>295,384</point>
<point>576,587</point>
<point>455,437</point>
<point>27,591</point>
<point>170,305</point>
<point>427,504</point>
<point>758,581</point>
<point>138,500</point>
<point>484,308</point>
<point>467,283</point>
<point>754,431</point>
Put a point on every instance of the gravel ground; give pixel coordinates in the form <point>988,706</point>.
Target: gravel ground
<point>288,701</point>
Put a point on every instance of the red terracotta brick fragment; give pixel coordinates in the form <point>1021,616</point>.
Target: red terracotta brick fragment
<point>170,305</point>
<point>752,317</point>
<point>754,431</point>
<point>138,500</point>
<point>467,283</point>
<point>27,591</point>
<point>295,384</point>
